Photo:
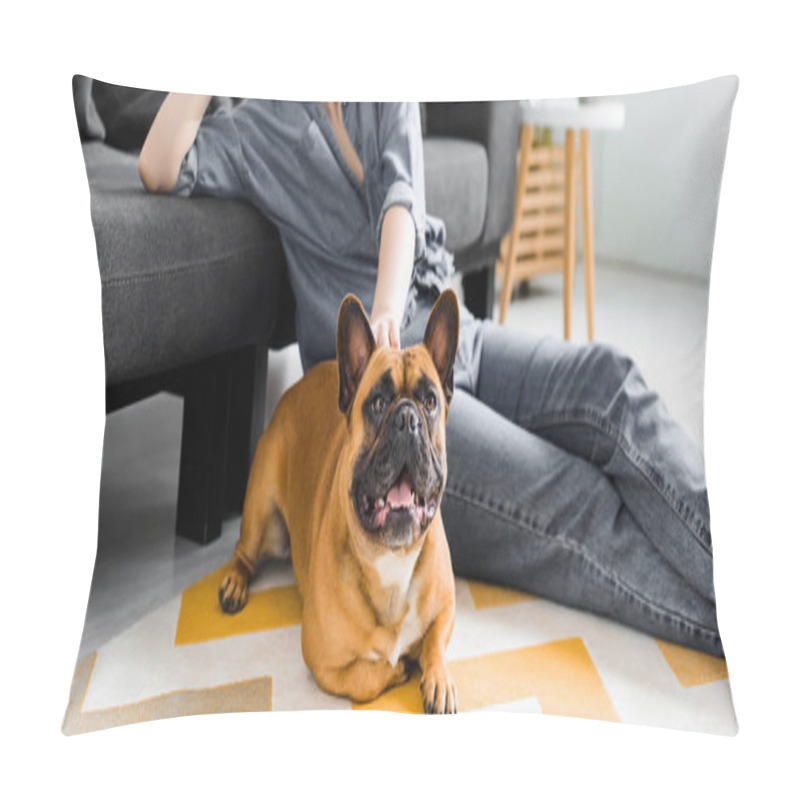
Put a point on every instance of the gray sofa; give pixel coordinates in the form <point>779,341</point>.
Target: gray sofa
<point>195,293</point>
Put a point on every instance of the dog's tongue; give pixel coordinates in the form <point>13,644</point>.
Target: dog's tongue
<point>400,494</point>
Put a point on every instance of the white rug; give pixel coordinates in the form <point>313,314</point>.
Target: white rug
<point>509,652</point>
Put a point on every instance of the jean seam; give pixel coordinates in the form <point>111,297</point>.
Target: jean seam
<point>612,578</point>
<point>593,418</point>
<point>523,382</point>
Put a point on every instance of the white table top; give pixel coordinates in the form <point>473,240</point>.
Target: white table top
<point>595,115</point>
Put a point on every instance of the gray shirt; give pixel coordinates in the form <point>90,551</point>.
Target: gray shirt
<point>285,159</point>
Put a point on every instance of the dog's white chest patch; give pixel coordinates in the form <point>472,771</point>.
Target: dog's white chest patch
<point>409,629</point>
<point>394,571</point>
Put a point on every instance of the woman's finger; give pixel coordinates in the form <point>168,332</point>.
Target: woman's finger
<point>394,335</point>
<point>386,332</point>
<point>380,334</point>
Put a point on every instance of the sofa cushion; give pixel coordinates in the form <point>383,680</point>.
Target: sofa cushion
<point>456,188</point>
<point>180,280</point>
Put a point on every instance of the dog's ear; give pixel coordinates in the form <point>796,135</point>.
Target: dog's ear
<point>441,338</point>
<point>354,346</point>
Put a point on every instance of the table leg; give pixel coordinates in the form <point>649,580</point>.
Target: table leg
<point>526,140</point>
<point>569,228</point>
<point>588,230</point>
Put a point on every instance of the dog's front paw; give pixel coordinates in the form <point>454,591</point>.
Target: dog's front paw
<point>438,691</point>
<point>233,591</point>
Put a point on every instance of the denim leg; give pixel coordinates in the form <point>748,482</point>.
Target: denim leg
<point>592,401</point>
<point>523,512</point>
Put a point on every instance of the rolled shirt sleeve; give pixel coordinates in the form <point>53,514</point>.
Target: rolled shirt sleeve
<point>213,165</point>
<point>402,170</point>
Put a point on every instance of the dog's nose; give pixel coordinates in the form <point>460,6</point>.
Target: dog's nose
<point>406,418</point>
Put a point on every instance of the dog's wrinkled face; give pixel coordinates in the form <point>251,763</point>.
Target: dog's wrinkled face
<point>398,477</point>
<point>396,403</point>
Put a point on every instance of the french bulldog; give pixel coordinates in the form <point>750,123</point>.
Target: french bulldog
<point>347,480</point>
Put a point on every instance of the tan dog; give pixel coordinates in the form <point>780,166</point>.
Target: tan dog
<point>357,486</point>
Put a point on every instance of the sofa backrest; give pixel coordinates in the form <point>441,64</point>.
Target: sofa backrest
<point>121,116</point>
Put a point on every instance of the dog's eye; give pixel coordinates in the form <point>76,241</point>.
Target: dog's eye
<point>378,404</point>
<point>431,401</point>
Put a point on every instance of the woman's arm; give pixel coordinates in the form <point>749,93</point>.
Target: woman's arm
<point>171,135</point>
<point>395,263</point>
<point>402,228</point>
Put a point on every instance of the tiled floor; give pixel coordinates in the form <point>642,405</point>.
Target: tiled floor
<point>660,320</point>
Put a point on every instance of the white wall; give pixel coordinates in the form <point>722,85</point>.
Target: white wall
<point>657,180</point>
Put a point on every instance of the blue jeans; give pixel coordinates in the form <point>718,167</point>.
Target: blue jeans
<point>568,479</point>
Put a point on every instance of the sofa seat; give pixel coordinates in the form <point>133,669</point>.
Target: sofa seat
<point>181,281</point>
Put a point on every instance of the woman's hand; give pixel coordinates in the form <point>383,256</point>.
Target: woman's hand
<point>385,330</point>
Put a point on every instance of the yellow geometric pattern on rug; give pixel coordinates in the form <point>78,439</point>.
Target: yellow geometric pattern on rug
<point>201,619</point>
<point>556,673</point>
<point>560,675</point>
<point>692,668</point>
<point>485,595</point>
<point>248,695</point>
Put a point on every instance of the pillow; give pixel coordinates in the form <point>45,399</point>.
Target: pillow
<point>200,294</point>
